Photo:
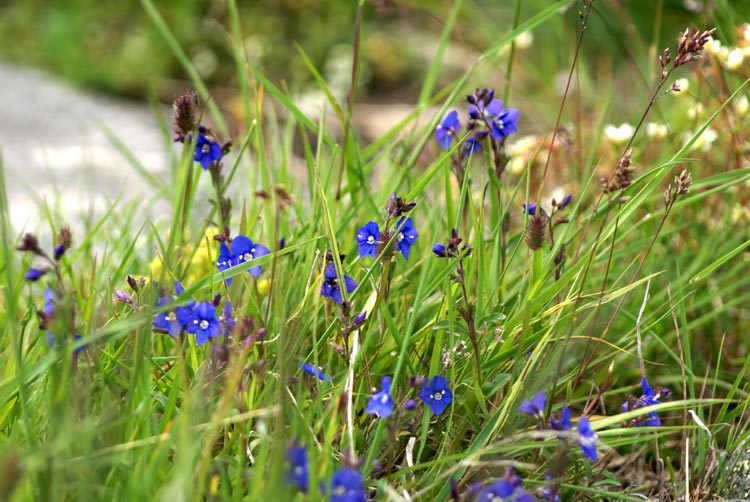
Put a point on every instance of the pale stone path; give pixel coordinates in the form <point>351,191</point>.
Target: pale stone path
<point>52,145</point>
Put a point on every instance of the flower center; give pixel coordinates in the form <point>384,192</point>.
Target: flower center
<point>247,256</point>
<point>171,317</point>
<point>371,240</point>
<point>499,123</point>
<point>204,324</point>
<point>400,236</point>
<point>206,148</point>
<point>437,396</point>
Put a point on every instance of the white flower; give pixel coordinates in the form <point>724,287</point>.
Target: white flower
<point>618,134</point>
<point>704,141</point>
<point>745,31</point>
<point>695,111</point>
<point>713,46</point>
<point>516,165</point>
<point>524,40</point>
<point>520,152</point>
<point>741,105</point>
<point>522,146</point>
<point>734,59</point>
<point>680,86</point>
<point>656,130</point>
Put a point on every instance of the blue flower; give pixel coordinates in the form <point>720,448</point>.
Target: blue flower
<point>504,123</point>
<point>34,274</point>
<point>367,238</point>
<point>406,235</point>
<point>347,485</point>
<point>551,491</point>
<point>174,320</point>
<point>648,398</point>
<point>501,121</point>
<point>436,394</point>
<point>486,111</point>
<point>331,288</point>
<point>536,406</point>
<point>503,490</point>
<point>360,318</point>
<point>564,424</point>
<point>203,323</point>
<point>448,129</point>
<point>225,261</point>
<point>167,321</point>
<point>51,341</point>
<point>59,251</point>
<point>316,372</point>
<point>587,438</point>
<point>48,313</point>
<point>530,209</point>
<point>474,143</point>
<point>244,250</point>
<point>49,303</point>
<point>439,249</point>
<point>298,467</point>
<point>206,151</point>
<point>565,201</point>
<point>227,319</point>
<point>123,296</point>
<point>381,403</point>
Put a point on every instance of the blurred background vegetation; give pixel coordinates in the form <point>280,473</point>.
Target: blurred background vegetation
<point>113,46</point>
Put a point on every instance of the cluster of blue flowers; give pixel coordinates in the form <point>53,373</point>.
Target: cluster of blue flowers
<point>586,435</point>
<point>487,117</point>
<point>243,250</point>
<point>371,244</point>
<point>435,393</point>
<point>198,319</point>
<point>451,250</point>
<point>30,244</point>
<point>505,490</point>
<point>531,208</point>
<point>649,398</point>
<point>374,242</point>
<point>347,484</point>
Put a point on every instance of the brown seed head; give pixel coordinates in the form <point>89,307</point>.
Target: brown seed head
<point>536,231</point>
<point>622,177</point>
<point>30,243</point>
<point>65,237</point>
<point>690,46</point>
<point>682,183</point>
<point>183,112</point>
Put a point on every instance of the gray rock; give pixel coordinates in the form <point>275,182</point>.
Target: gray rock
<point>54,146</point>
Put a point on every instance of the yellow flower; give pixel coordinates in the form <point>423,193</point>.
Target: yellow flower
<point>201,262</point>
<point>201,259</point>
<point>263,286</point>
